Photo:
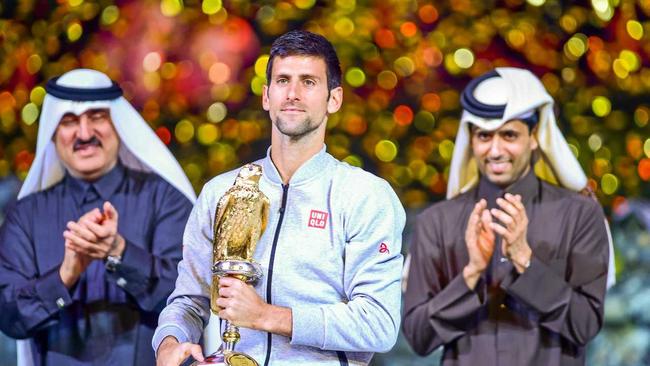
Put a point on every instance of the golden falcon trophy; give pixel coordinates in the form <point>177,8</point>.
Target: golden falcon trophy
<point>239,221</point>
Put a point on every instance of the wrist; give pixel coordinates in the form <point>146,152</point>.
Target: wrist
<point>471,270</point>
<point>266,320</point>
<point>167,342</point>
<point>521,261</point>
<point>67,277</point>
<point>117,249</point>
<point>471,276</point>
<point>276,319</point>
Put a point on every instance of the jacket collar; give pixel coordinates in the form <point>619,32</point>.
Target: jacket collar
<point>317,164</point>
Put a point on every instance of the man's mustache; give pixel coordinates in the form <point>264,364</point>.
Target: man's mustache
<point>497,160</point>
<point>79,143</point>
<point>293,105</point>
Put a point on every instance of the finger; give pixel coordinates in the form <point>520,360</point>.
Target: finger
<point>486,248</point>
<point>81,244</point>
<point>486,220</point>
<point>504,248</point>
<point>225,292</point>
<point>225,314</point>
<point>224,282</point>
<point>487,237</point>
<point>506,219</point>
<point>222,302</point>
<point>505,233</point>
<point>110,211</point>
<point>518,203</point>
<point>474,217</point>
<point>78,251</point>
<point>478,207</point>
<point>101,231</point>
<point>91,219</point>
<point>508,206</point>
<point>93,215</point>
<point>81,231</point>
<point>86,252</point>
<point>196,352</point>
<point>78,240</point>
<point>229,282</point>
<point>184,351</point>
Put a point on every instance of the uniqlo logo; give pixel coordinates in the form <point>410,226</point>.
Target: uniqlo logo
<point>317,219</point>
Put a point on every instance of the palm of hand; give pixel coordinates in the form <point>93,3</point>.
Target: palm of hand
<point>485,244</point>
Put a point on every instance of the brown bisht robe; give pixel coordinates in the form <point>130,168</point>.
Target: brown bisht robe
<point>544,316</point>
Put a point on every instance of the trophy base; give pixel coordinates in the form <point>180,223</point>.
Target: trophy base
<point>230,359</point>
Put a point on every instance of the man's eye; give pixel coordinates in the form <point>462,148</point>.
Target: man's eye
<point>68,122</point>
<point>483,136</point>
<point>510,136</point>
<point>282,81</point>
<point>309,82</point>
<point>99,116</point>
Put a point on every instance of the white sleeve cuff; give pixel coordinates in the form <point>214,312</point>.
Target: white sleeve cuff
<point>308,326</point>
<point>168,330</point>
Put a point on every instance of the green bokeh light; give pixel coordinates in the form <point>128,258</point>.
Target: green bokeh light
<point>355,77</point>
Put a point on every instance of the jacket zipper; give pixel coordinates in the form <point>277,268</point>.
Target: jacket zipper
<point>269,278</point>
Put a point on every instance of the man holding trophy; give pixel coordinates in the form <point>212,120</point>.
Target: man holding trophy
<point>328,250</point>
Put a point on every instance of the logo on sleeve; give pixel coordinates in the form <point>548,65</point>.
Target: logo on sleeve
<point>317,219</point>
<point>383,248</point>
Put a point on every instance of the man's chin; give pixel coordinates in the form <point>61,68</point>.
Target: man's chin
<point>87,153</point>
<point>296,132</point>
<point>90,168</point>
<point>500,179</point>
<point>88,173</point>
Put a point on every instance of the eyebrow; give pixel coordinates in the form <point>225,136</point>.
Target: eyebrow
<point>301,76</point>
<point>89,111</point>
<point>498,131</point>
<point>96,110</point>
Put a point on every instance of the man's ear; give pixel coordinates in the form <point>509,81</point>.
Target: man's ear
<point>335,100</point>
<point>265,97</point>
<point>533,138</point>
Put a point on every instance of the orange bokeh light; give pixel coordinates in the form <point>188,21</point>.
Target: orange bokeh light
<point>403,115</point>
<point>385,38</point>
<point>428,14</point>
<point>408,29</point>
<point>431,102</point>
<point>644,169</point>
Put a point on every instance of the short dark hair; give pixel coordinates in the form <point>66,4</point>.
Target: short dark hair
<point>303,43</point>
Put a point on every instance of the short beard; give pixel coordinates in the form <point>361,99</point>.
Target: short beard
<point>306,128</point>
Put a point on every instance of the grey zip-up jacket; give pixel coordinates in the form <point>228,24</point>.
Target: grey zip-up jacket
<point>330,252</point>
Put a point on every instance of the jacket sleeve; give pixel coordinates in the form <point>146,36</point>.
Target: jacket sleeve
<point>368,319</point>
<point>148,275</point>
<point>188,307</point>
<point>438,307</point>
<point>571,306</point>
<point>29,300</point>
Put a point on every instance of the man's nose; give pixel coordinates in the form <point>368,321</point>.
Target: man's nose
<point>495,146</point>
<point>85,130</point>
<point>293,91</point>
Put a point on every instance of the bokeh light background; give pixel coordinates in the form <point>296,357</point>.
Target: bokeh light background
<point>195,70</point>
